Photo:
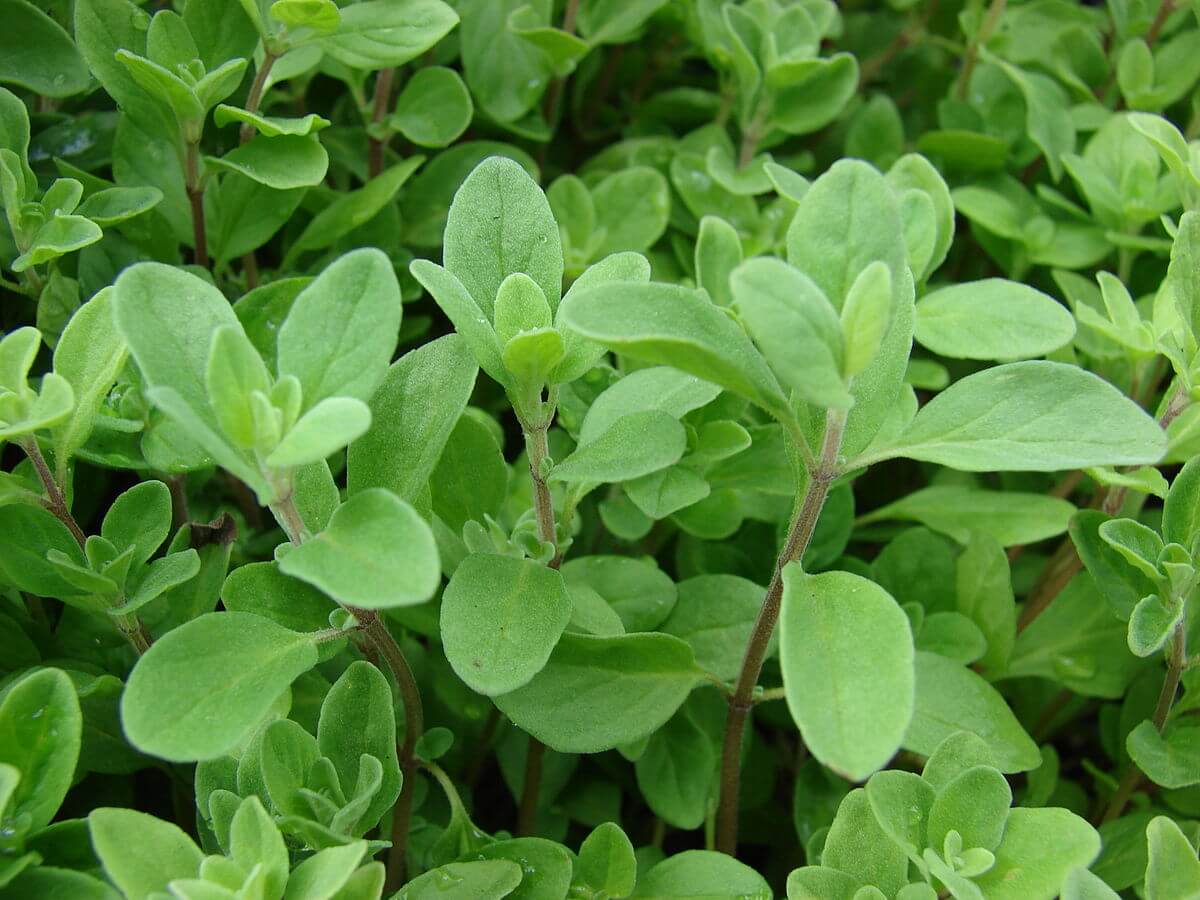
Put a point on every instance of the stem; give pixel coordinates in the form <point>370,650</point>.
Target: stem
<point>1176,663</point>
<point>385,645</point>
<point>530,788</point>
<point>253,103</point>
<point>543,504</point>
<point>1164,12</point>
<point>56,503</point>
<point>482,746</point>
<point>129,625</point>
<point>752,136</point>
<point>554,94</point>
<point>195,192</point>
<point>379,108</point>
<point>254,98</point>
<point>742,699</point>
<point>995,11</point>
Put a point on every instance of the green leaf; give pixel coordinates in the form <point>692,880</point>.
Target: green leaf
<point>485,879</point>
<point>546,866</point>
<point>377,34</point>
<point>142,854</point>
<point>633,683</point>
<point>434,108</point>
<point>376,552</point>
<point>1084,885</point>
<point>795,327</point>
<point>864,319</point>
<point>975,804</point>
<point>270,126</point>
<point>357,719</point>
<point>1010,517</point>
<point>324,873</point>
<point>61,235</point>
<point>718,253</point>
<point>992,319</point>
<point>716,615</point>
<point>668,325</point>
<point>847,659</point>
<point>606,861</point>
<point>984,593</point>
<point>635,445</point>
<point>348,211</point>
<point>501,618</point>
<point>471,479</point>
<point>283,162</point>
<point>326,428</point>
<point>695,873</point>
<point>676,771</point>
<point>1040,847</point>
<point>30,533</point>
<point>1151,624</point>
<point>500,223</point>
<point>858,846</point>
<point>37,54</point>
<point>952,698</point>
<point>632,208</point>
<point>40,732</point>
<point>901,802</point>
<point>255,840</point>
<point>112,206</point>
<point>1170,759</point>
<point>204,687</point>
<point>412,416</point>
<point>89,355</point>
<point>341,332</point>
<point>1181,511</point>
<point>1031,417</point>
<point>642,595</point>
<point>468,319</point>
<point>658,387</point>
<point>1174,870</point>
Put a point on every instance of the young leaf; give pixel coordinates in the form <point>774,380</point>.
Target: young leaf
<point>1173,870</point>
<point>501,618</point>
<point>694,873</point>
<point>847,659</point>
<point>1039,848</point>
<point>606,861</point>
<point>204,687</point>
<point>635,445</point>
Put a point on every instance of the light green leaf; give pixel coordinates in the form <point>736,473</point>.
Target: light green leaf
<point>500,223</point>
<point>1040,847</point>
<point>669,325</point>
<point>1010,517</point>
<point>484,879</point>
<point>695,874</point>
<point>1170,759</point>
<point>412,416</point>
<point>142,854</point>
<point>1174,870</point>
<point>205,686</point>
<point>795,327</point>
<point>376,552</point>
<point>378,34</point>
<point>326,428</point>
<point>633,446</point>
<point>434,108</point>
<point>992,319</point>
<point>606,861</point>
<point>858,846</point>
<point>847,659</point>
<point>501,618</point>
<point>322,875</point>
<point>1029,416</point>
<point>37,54</point>
<point>342,329</point>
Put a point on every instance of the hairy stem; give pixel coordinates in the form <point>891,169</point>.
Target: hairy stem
<point>742,699</point>
<point>555,91</point>
<point>986,29</point>
<point>195,192</point>
<point>1176,663</point>
<point>379,108</point>
<point>1164,12</point>
<point>752,135</point>
<point>253,103</point>
<point>385,646</point>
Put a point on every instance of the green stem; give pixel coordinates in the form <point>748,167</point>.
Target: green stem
<point>820,479</point>
<point>1176,663</point>
<point>254,98</point>
<point>195,193</point>
<point>982,36</point>
<point>379,108</point>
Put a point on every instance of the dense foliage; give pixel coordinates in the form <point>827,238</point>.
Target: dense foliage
<point>468,449</point>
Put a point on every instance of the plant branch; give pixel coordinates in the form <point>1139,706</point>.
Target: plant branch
<point>1176,663</point>
<point>377,634</point>
<point>1164,12</point>
<point>555,91</point>
<point>254,98</point>
<point>535,754</point>
<point>379,108</point>
<point>982,36</point>
<point>195,192</point>
<point>740,702</point>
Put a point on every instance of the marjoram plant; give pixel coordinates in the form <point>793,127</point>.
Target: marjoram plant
<point>598,449</point>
